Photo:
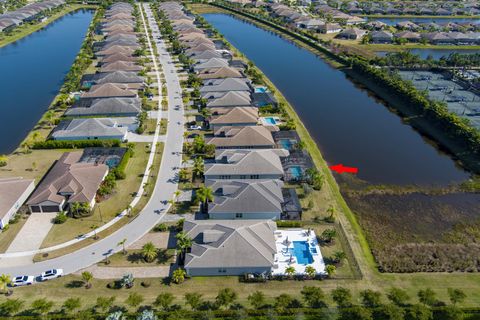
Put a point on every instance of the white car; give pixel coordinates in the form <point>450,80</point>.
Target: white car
<point>51,274</point>
<point>22,281</point>
<point>195,127</point>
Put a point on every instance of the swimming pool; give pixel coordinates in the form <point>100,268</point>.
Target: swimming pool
<point>301,249</point>
<point>286,143</point>
<point>270,120</point>
<point>260,90</point>
<point>296,171</point>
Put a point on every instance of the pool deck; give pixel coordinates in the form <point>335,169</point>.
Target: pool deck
<point>284,260</point>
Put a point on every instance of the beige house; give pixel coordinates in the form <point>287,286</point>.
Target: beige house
<point>13,194</point>
<point>67,182</point>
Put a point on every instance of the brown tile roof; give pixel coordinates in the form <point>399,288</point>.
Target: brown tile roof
<point>11,189</point>
<point>236,115</point>
<point>217,73</point>
<point>243,137</point>
<point>120,66</point>
<point>69,176</point>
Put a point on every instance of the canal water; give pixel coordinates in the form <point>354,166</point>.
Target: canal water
<point>32,71</point>
<point>349,125</point>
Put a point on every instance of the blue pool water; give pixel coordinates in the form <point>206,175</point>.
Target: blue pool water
<point>270,120</point>
<point>296,171</point>
<point>260,90</point>
<point>286,144</point>
<point>301,249</point>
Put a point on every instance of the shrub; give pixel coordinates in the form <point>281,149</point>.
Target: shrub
<point>74,144</point>
<point>289,224</point>
<point>3,160</point>
<point>145,283</point>
<point>60,218</point>
<point>161,227</point>
<point>120,169</point>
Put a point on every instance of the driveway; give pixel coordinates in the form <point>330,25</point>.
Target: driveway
<point>165,186</point>
<point>30,237</point>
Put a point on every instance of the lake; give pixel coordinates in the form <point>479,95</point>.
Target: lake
<point>32,72</point>
<point>349,125</point>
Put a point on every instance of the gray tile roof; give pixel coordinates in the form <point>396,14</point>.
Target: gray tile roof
<point>246,196</point>
<point>225,85</point>
<point>93,127</point>
<point>232,243</point>
<point>108,106</point>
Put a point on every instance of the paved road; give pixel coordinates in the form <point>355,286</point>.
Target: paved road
<point>165,185</point>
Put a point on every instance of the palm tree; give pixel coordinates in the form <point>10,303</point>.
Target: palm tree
<point>330,269</point>
<point>49,116</point>
<point>173,205</point>
<point>204,195</point>
<point>149,251</point>
<point>87,277</point>
<point>178,276</point>
<point>198,167</point>
<point>183,243</point>
<point>290,271</point>
<point>5,280</point>
<point>122,243</point>
<point>310,272</point>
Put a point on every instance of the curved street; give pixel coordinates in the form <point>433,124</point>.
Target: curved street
<point>165,186</point>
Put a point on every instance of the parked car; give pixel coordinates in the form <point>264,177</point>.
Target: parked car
<point>51,274</point>
<point>195,127</point>
<point>22,281</point>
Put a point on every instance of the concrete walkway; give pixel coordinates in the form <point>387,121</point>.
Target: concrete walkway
<point>30,237</point>
<point>134,137</point>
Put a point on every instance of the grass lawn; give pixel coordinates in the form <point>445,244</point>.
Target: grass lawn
<point>27,29</point>
<point>150,126</point>
<point>31,165</point>
<point>163,126</point>
<point>107,209</point>
<point>134,258</point>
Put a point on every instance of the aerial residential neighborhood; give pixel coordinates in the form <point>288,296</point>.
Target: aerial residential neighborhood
<point>240,159</point>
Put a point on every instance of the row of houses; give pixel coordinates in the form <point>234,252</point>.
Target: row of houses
<point>30,12</point>
<point>77,176</point>
<point>109,104</point>
<point>248,173</point>
<point>447,8</point>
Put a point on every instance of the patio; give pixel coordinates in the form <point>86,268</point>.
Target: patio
<point>297,248</point>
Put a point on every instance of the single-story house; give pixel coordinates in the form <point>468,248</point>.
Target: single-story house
<point>13,194</point>
<point>228,99</point>
<point>249,137</point>
<point>245,199</point>
<point>381,37</point>
<point>108,107</point>
<point>330,28</point>
<point>238,116</point>
<point>94,128</point>
<point>68,182</point>
<point>220,73</point>
<point>225,85</point>
<point>231,247</point>
<point>246,164</point>
<point>351,34</point>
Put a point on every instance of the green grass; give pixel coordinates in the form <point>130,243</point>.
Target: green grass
<point>134,258</point>
<point>25,30</point>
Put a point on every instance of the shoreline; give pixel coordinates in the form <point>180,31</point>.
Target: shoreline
<point>392,102</point>
<point>39,26</point>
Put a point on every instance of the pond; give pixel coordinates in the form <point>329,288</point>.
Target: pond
<point>32,72</point>
<point>349,125</point>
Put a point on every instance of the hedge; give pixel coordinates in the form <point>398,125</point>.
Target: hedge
<point>76,144</point>
<point>120,169</point>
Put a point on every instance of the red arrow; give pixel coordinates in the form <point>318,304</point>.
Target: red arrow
<point>341,169</point>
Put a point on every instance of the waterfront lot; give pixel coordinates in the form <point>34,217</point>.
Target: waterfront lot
<point>462,102</point>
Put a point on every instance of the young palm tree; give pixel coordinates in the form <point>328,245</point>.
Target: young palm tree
<point>87,277</point>
<point>122,243</point>
<point>149,251</point>
<point>330,269</point>
<point>178,276</point>
<point>5,280</point>
<point>173,205</point>
<point>290,271</point>
<point>310,271</point>
<point>198,167</point>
